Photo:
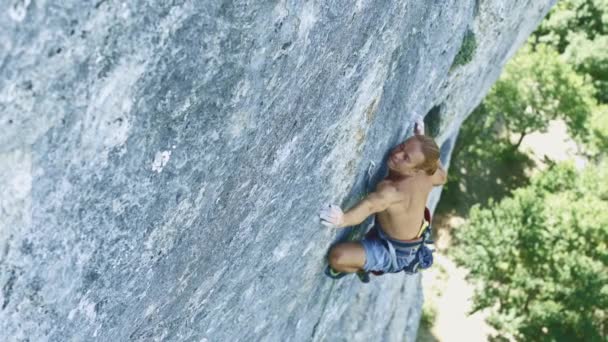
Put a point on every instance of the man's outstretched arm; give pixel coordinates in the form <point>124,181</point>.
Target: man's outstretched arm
<point>332,216</point>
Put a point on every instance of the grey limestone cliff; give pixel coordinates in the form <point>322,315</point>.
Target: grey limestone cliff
<point>162,163</point>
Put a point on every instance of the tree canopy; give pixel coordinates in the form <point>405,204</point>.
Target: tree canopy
<point>540,257</point>
<point>578,29</point>
<point>536,87</point>
<point>538,248</point>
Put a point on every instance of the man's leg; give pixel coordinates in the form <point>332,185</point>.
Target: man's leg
<point>347,257</point>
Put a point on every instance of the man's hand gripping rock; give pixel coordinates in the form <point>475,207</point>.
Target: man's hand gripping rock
<point>418,124</point>
<point>332,216</point>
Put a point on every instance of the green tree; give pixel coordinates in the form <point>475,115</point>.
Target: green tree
<point>540,257</point>
<point>598,130</point>
<point>588,17</point>
<point>578,29</point>
<point>483,166</point>
<point>535,88</point>
<point>590,56</point>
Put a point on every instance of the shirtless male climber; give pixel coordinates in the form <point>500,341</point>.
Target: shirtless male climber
<point>399,202</point>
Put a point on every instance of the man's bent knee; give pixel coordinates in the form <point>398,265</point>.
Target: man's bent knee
<point>346,256</point>
<point>337,257</point>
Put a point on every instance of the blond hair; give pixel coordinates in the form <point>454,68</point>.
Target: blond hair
<point>430,150</point>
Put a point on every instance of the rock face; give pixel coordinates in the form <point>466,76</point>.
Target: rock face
<point>163,162</point>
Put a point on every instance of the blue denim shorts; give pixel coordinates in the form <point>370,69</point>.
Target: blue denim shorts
<point>378,256</point>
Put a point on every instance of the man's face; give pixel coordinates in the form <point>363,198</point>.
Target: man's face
<point>406,156</point>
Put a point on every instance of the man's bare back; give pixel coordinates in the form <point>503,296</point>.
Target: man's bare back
<point>403,219</point>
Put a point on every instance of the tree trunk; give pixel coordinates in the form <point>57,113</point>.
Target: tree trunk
<point>521,138</point>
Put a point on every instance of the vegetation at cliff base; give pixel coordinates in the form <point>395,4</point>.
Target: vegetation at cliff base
<point>537,246</point>
<point>578,31</point>
<point>541,255</point>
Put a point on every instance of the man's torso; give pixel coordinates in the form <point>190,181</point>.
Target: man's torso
<point>404,219</point>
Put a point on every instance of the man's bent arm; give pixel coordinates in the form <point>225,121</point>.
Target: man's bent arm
<point>440,177</point>
<point>375,202</point>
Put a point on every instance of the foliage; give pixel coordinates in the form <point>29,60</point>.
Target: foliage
<point>582,16</point>
<point>590,56</point>
<point>535,88</point>
<point>578,29</point>
<point>540,257</point>
<point>467,50</point>
<point>429,316</point>
<point>483,166</point>
<point>598,130</point>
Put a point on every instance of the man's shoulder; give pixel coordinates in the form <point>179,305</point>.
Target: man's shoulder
<point>439,177</point>
<point>385,185</point>
<point>388,187</point>
<point>392,190</point>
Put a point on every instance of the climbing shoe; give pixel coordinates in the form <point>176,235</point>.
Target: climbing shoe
<point>363,276</point>
<point>330,272</point>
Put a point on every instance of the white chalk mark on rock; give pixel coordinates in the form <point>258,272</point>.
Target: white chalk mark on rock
<point>18,10</point>
<point>161,159</point>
